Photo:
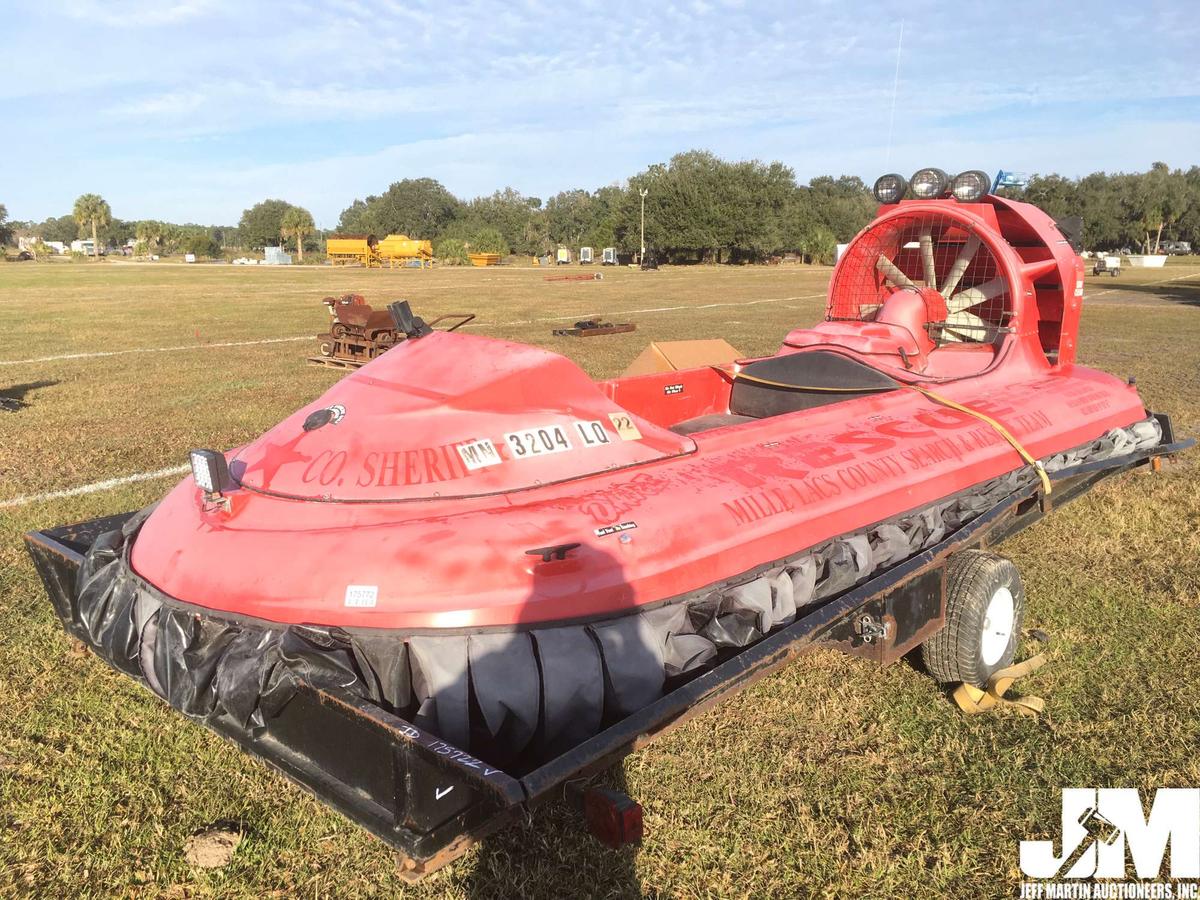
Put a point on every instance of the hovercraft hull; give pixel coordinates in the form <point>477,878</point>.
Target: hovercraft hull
<point>431,799</point>
<point>478,541</point>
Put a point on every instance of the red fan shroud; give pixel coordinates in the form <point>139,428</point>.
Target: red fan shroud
<point>950,260</point>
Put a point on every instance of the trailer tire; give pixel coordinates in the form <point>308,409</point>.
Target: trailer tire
<point>985,603</point>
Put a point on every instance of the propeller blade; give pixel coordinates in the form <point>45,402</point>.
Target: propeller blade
<point>965,326</point>
<point>927,259</point>
<point>891,274</point>
<point>954,276</point>
<point>973,296</point>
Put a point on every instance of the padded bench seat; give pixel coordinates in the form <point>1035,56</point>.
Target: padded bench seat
<point>797,381</point>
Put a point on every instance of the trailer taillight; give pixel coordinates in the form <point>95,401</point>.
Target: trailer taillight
<point>614,819</point>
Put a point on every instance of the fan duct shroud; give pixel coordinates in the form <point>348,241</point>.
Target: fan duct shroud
<point>952,261</point>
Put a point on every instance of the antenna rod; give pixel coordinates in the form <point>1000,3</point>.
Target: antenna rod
<point>887,166</point>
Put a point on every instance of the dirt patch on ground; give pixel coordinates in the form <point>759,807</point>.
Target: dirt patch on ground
<point>212,848</point>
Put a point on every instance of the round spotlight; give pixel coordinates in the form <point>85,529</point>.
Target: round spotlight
<point>929,184</point>
<point>968,187</point>
<point>890,188</point>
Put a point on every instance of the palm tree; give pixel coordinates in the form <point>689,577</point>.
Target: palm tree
<point>93,209</point>
<point>149,233</point>
<point>297,222</point>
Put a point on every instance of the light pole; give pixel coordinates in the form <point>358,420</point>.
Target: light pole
<point>643,192</point>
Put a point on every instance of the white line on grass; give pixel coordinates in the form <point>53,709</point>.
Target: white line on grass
<point>93,488</point>
<point>1144,283</point>
<point>306,337</point>
<point>96,353</point>
<point>649,309</point>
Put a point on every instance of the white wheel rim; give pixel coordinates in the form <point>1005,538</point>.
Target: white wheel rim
<point>997,626</point>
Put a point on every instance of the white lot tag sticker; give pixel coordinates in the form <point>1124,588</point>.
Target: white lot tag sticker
<point>362,595</point>
<point>1079,288</point>
<point>673,389</point>
<point>613,529</point>
<point>537,441</point>
<point>593,434</point>
<point>478,454</point>
<point>625,427</point>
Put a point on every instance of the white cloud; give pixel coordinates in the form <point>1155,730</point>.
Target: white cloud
<point>196,109</point>
<point>143,14</point>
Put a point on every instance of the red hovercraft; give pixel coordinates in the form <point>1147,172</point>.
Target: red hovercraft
<point>468,573</point>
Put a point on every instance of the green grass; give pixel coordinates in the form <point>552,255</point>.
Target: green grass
<point>829,778</point>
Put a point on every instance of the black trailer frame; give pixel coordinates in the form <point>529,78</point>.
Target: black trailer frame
<point>431,801</point>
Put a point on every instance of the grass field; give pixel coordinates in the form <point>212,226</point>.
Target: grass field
<point>830,778</point>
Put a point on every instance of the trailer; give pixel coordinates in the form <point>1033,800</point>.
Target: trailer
<point>401,250</point>
<point>352,250</point>
<point>431,800</point>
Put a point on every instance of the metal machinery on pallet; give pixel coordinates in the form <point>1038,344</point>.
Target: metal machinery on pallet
<point>359,333</point>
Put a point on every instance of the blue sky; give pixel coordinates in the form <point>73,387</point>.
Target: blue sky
<point>194,110</point>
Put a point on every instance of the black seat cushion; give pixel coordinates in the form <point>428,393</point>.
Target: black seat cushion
<point>707,423</point>
<point>798,379</point>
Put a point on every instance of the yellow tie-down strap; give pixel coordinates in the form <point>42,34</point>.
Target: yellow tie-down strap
<point>972,700</point>
<point>998,428</point>
<point>754,379</point>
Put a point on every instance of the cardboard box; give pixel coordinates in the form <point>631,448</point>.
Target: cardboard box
<point>667,356</point>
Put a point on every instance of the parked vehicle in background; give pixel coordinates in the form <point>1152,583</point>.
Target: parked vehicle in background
<point>1176,248</point>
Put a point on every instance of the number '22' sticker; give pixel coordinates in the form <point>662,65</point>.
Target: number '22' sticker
<point>625,427</point>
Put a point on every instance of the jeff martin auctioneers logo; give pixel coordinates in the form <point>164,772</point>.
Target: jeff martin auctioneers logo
<point>1111,849</point>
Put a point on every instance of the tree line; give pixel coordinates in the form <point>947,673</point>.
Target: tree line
<point>1135,210</point>
<point>697,206</point>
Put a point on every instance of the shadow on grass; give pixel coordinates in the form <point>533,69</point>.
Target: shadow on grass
<point>1186,293</point>
<point>551,854</point>
<point>13,398</point>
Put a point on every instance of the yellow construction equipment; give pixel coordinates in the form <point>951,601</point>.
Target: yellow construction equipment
<point>484,259</point>
<point>400,250</point>
<point>352,249</point>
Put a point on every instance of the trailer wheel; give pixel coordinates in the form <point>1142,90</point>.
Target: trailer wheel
<point>985,603</point>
